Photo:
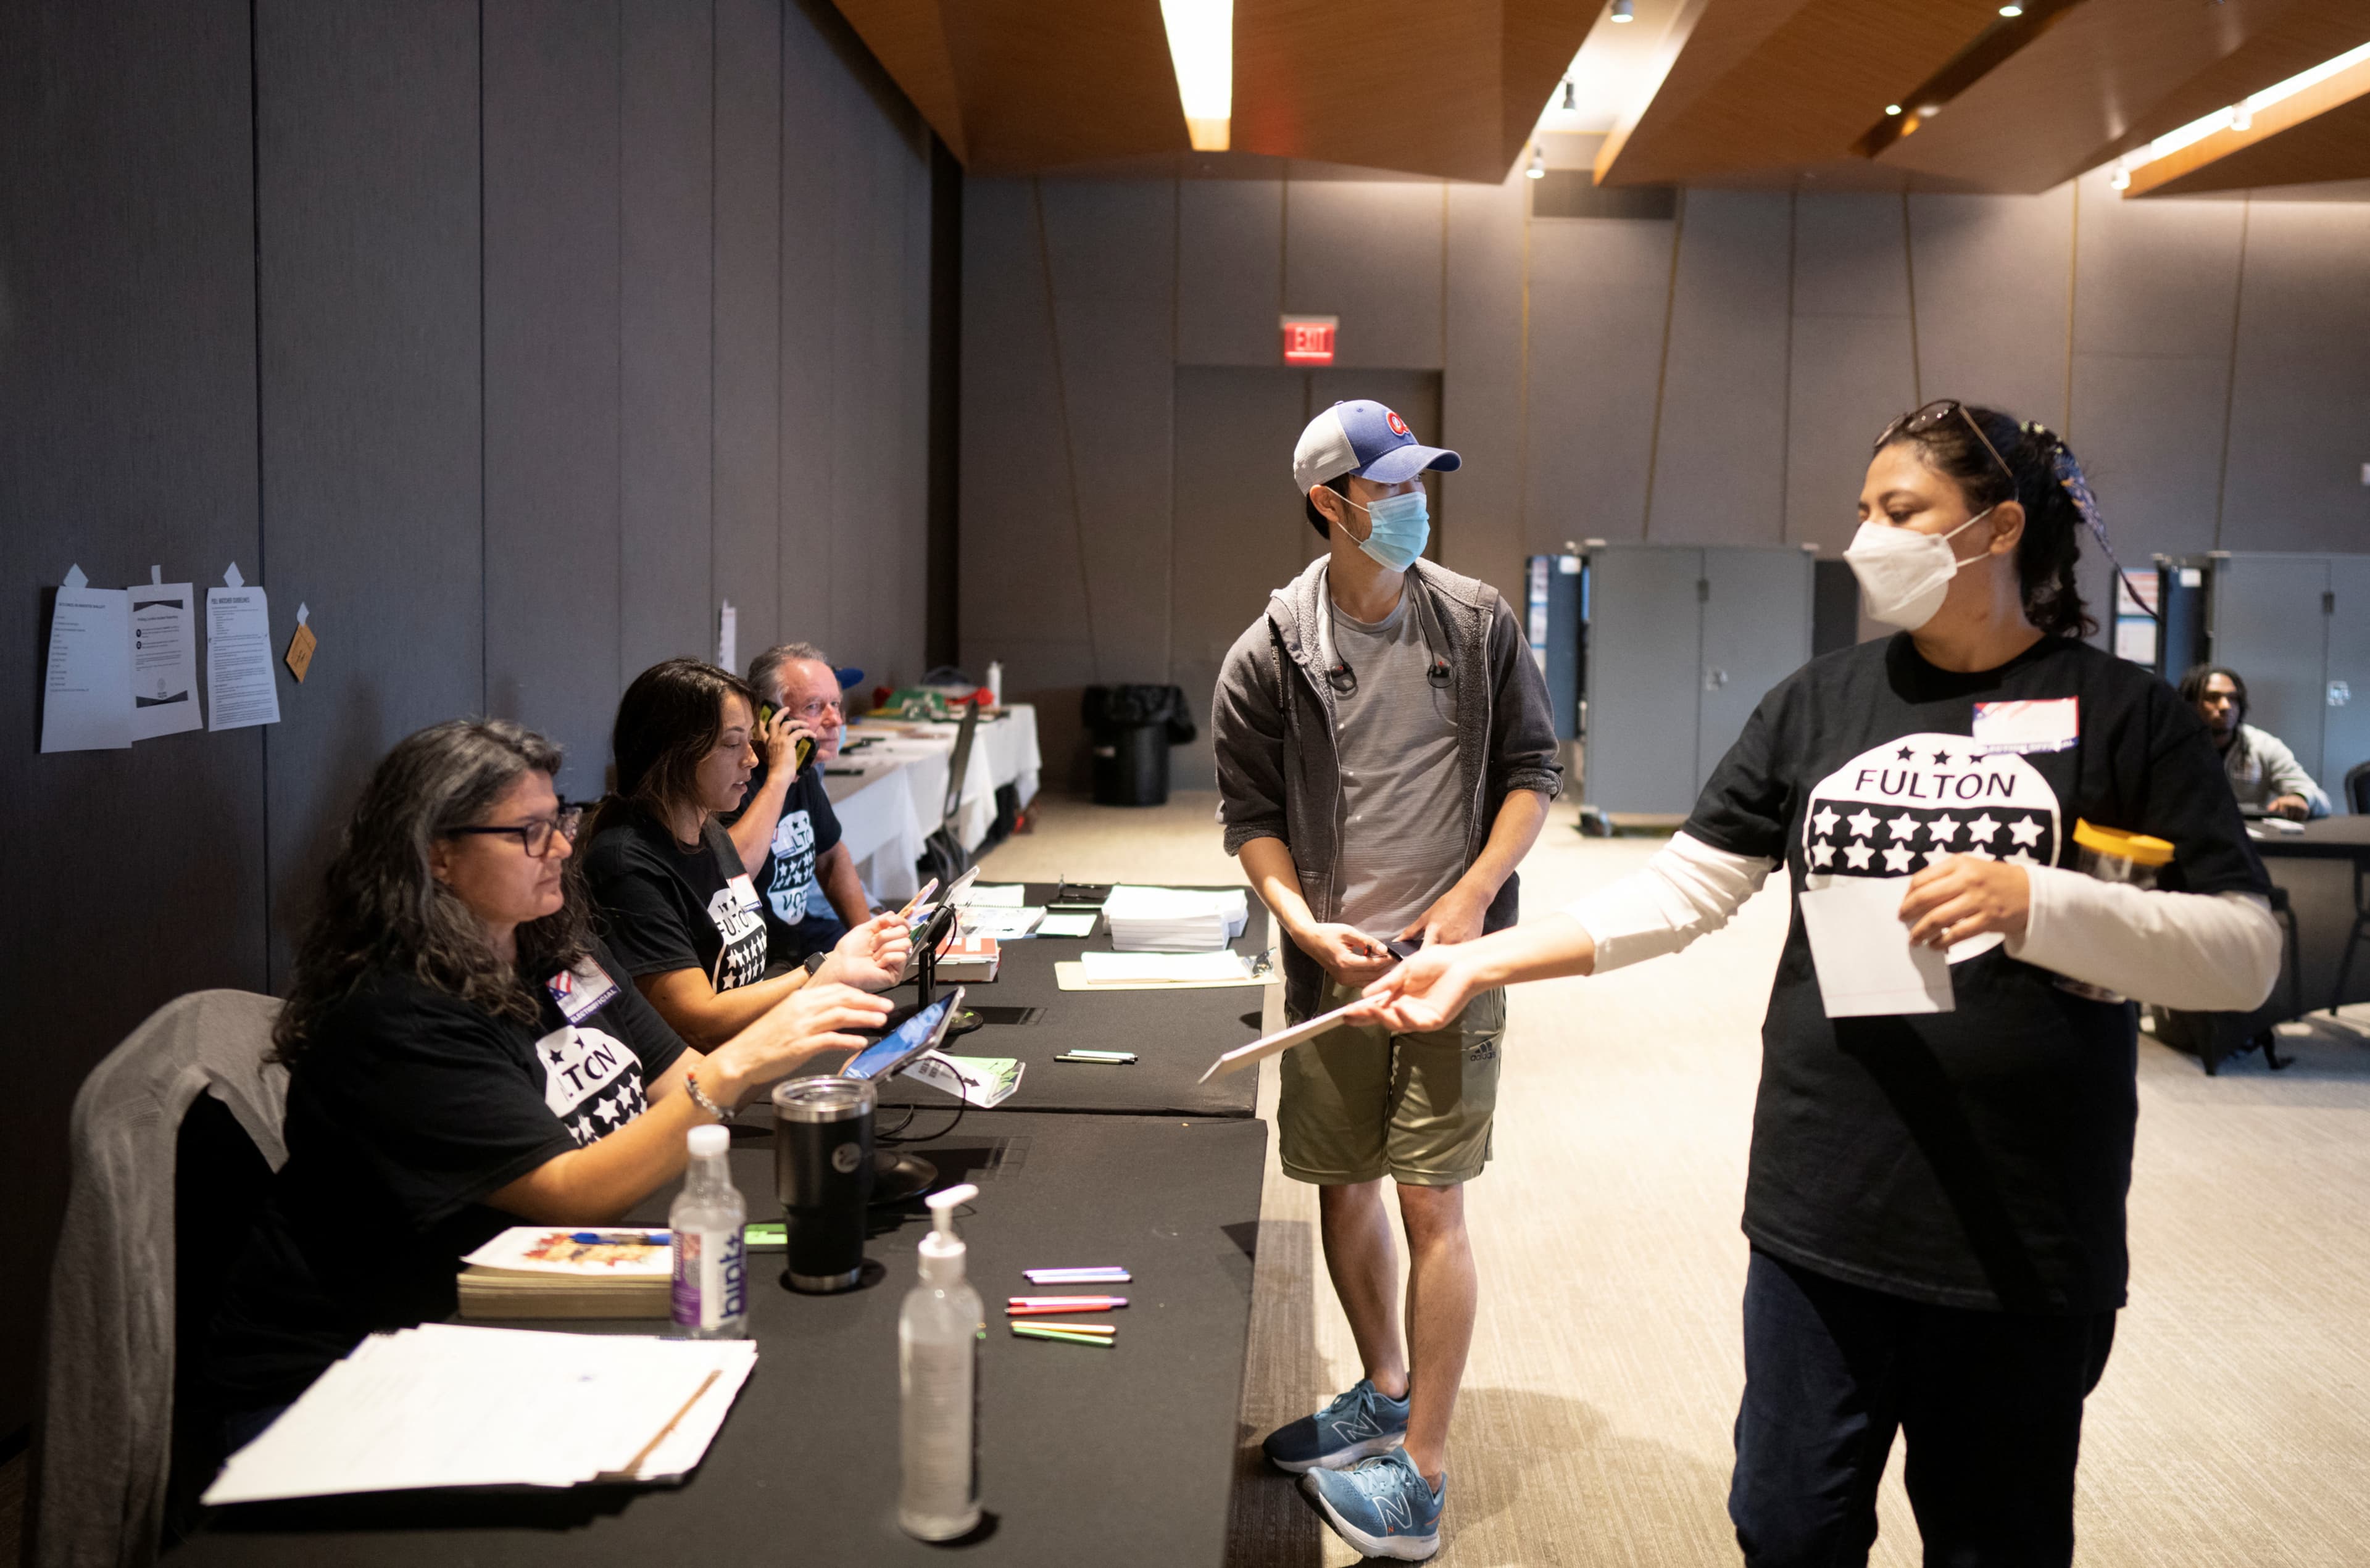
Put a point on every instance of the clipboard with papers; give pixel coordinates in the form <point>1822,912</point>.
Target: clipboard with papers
<point>1272,1045</point>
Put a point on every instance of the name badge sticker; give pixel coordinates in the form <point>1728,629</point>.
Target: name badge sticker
<point>2051,725</point>
<point>582,991</point>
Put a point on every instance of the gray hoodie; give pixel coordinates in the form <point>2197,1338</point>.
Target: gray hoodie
<point>1272,722</point>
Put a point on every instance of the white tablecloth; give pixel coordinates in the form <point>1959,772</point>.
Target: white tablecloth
<point>898,793</point>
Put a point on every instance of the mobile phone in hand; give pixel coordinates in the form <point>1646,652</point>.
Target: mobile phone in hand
<point>1402,948</point>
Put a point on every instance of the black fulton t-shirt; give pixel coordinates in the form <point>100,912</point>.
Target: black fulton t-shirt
<point>407,1107</point>
<point>665,908</point>
<point>807,831</point>
<point>1976,1158</point>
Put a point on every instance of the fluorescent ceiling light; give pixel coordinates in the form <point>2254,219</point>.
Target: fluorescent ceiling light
<point>1202,47</point>
<point>2241,115</point>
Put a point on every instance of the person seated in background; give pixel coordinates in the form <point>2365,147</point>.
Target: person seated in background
<point>787,832</point>
<point>462,1058</point>
<point>2263,774</point>
<point>675,899</point>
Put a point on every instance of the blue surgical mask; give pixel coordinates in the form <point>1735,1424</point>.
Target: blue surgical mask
<point>1400,527</point>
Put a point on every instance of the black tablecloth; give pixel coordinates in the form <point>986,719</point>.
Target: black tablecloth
<point>1087,1456</point>
<point>1175,1034</point>
<point>2331,838</point>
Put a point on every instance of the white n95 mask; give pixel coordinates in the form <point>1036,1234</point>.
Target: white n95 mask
<point>1906,575</point>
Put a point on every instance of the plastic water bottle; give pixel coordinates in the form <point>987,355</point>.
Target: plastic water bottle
<point>711,1264</point>
<point>938,1335</point>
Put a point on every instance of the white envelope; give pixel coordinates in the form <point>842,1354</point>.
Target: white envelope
<point>1862,951</point>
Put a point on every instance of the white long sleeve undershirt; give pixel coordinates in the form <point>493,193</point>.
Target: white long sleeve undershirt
<point>2207,953</point>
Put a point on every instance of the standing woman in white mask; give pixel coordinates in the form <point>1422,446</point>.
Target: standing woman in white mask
<point>1935,1199</point>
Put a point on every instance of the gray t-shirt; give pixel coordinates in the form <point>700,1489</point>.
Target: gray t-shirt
<point>1404,815</point>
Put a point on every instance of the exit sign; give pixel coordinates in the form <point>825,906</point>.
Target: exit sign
<point>1308,339</point>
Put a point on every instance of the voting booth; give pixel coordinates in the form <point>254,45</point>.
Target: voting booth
<point>2297,628</point>
<point>1676,645</point>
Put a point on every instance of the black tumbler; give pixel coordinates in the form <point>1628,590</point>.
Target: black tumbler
<point>822,1172</point>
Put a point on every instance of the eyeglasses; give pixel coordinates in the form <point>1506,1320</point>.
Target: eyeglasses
<point>1920,421</point>
<point>533,837</point>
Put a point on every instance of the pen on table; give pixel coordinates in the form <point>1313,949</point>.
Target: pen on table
<point>621,1238</point>
<point>1100,1059</point>
<point>1032,1331</point>
<point>1021,1308</point>
<point>1108,1274</point>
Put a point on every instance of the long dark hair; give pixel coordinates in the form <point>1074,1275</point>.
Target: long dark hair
<point>2041,463</point>
<point>382,908</point>
<point>668,722</point>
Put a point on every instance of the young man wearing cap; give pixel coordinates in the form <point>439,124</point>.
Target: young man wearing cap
<point>1386,758</point>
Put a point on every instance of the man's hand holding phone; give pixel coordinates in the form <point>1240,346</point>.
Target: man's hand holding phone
<point>1344,952</point>
<point>787,742</point>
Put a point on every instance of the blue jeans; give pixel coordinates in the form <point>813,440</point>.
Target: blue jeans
<point>1990,1404</point>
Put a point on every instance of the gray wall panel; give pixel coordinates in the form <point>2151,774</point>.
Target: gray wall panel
<point>367,156</point>
<point>1993,287</point>
<point>1720,458</point>
<point>1849,257</point>
<point>2148,430</point>
<point>2300,396</point>
<point>1229,271</point>
<point>1112,251</point>
<point>807,353</point>
<point>127,439</point>
<point>1369,252</point>
<point>551,291</point>
<point>666,202</point>
<point>1850,376</point>
<point>750,479</point>
<point>2154,277</point>
<point>1598,292</point>
<point>1482,385</point>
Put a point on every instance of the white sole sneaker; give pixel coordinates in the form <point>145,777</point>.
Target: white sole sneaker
<point>1401,1547</point>
<point>1344,1459</point>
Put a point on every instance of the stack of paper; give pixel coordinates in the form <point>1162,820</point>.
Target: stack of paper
<point>1174,920</point>
<point>970,958</point>
<point>535,1271</point>
<point>1000,920</point>
<point>447,1405</point>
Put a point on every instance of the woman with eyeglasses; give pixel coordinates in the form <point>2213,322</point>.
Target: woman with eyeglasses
<point>677,901</point>
<point>464,1054</point>
<point>1941,1150</point>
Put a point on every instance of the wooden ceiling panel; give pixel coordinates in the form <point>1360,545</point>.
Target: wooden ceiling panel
<point>1410,86</point>
<point>2321,134</point>
<point>2114,74</point>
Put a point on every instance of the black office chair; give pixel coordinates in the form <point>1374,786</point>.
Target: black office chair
<point>2357,789</point>
<point>944,856</point>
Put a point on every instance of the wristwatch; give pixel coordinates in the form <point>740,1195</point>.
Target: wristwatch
<point>814,963</point>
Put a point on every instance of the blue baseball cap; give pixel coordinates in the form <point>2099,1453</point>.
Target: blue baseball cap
<point>1365,439</point>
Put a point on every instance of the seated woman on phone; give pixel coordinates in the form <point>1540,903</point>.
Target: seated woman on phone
<point>675,899</point>
<point>462,1058</point>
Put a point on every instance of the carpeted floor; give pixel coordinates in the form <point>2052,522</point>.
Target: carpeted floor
<point>2233,1427</point>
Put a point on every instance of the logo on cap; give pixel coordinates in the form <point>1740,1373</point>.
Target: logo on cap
<point>1397,425</point>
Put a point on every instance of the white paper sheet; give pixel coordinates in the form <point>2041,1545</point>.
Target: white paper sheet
<point>1860,949</point>
<point>1072,925</point>
<point>86,688</point>
<point>1107,968</point>
<point>993,895</point>
<point>1276,1044</point>
<point>1005,925</point>
<point>455,1405</point>
<point>163,679</point>
<point>240,689</point>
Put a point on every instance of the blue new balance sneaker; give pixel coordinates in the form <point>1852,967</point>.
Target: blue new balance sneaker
<point>1361,1423</point>
<point>1384,1507</point>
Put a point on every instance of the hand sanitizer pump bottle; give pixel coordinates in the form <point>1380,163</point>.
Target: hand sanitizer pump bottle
<point>938,1335</point>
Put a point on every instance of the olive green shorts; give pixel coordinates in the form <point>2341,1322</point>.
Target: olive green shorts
<point>1357,1104</point>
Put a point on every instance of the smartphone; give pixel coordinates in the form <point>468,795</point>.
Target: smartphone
<point>920,1033</point>
<point>1402,948</point>
<point>805,754</point>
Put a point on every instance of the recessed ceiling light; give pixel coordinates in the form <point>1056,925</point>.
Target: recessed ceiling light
<point>1570,94</point>
<point>1621,11</point>
<point>2011,9</point>
<point>2121,180</point>
<point>1928,110</point>
<point>1538,169</point>
<point>1892,109</point>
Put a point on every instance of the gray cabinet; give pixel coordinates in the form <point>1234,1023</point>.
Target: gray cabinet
<point>2297,628</point>
<point>1679,643</point>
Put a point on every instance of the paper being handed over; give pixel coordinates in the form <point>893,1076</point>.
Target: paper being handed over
<point>1860,949</point>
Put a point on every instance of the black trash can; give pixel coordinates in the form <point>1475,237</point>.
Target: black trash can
<point>1129,731</point>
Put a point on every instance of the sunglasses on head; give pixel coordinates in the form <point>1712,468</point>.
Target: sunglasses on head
<point>1941,411</point>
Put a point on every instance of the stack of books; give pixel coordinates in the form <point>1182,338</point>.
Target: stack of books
<point>1174,920</point>
<point>969,959</point>
<point>535,1271</point>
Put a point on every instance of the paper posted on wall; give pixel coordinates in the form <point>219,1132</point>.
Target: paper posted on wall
<point>240,689</point>
<point>86,689</point>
